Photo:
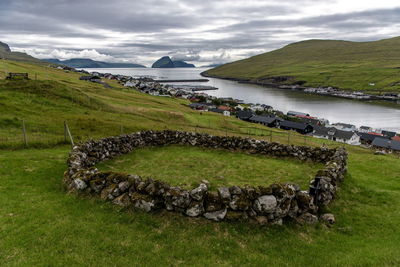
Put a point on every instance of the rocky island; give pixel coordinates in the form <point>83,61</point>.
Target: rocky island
<point>167,62</point>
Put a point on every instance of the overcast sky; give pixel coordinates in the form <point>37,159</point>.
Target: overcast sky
<point>198,31</point>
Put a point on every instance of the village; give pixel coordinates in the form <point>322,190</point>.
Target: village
<point>382,141</point>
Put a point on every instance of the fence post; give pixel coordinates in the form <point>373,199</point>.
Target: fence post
<point>69,133</point>
<point>65,132</point>
<point>122,129</point>
<point>24,133</point>
<point>288,138</point>
<point>270,136</point>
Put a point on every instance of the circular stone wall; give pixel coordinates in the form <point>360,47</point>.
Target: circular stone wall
<point>270,204</point>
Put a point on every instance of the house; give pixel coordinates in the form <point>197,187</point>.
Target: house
<point>295,113</point>
<point>221,111</point>
<point>244,115</point>
<point>296,126</point>
<point>396,138</point>
<point>269,121</point>
<point>334,134</point>
<point>198,106</point>
<point>388,133</point>
<point>386,144</point>
<point>345,127</point>
<point>368,138</point>
<point>365,129</point>
<point>92,78</point>
<point>309,120</point>
<point>225,108</point>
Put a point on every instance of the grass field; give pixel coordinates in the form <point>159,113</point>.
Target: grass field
<point>187,166</point>
<point>41,225</point>
<point>342,64</point>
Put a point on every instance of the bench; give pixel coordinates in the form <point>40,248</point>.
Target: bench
<point>12,75</point>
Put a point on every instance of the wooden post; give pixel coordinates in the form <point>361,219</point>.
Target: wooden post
<point>288,138</point>
<point>65,132</point>
<point>24,133</point>
<point>69,134</point>
<point>270,136</point>
<point>122,129</point>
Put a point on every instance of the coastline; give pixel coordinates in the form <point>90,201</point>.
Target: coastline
<point>323,91</point>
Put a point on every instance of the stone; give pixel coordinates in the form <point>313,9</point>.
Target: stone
<point>143,202</point>
<point>224,194</point>
<point>277,222</point>
<point>199,192</point>
<point>265,204</point>
<point>106,192</point>
<point>235,216</point>
<point>307,218</point>
<point>124,186</point>
<point>97,185</point>
<point>123,200</point>
<point>235,190</point>
<point>212,202</point>
<point>239,202</point>
<point>262,220</point>
<point>195,209</point>
<point>182,200</point>
<point>328,218</point>
<point>217,216</point>
<point>79,184</point>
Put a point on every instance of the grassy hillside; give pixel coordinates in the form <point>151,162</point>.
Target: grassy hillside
<point>93,111</point>
<point>41,225</point>
<point>343,64</point>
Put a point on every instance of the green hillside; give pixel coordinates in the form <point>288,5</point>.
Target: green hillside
<point>342,64</point>
<point>41,225</point>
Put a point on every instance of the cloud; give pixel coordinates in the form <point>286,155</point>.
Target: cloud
<point>192,30</point>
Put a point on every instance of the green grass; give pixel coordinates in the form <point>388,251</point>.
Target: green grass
<point>342,64</point>
<point>41,225</point>
<point>93,111</point>
<point>186,166</point>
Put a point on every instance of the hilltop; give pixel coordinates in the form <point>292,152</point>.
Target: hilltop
<point>6,53</point>
<point>370,66</point>
<point>89,63</point>
<point>167,62</point>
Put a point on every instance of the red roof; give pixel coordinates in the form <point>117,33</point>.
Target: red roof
<point>378,134</point>
<point>224,108</point>
<point>396,138</point>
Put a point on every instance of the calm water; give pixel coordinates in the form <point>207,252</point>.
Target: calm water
<point>382,115</point>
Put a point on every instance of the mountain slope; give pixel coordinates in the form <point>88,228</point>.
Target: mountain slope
<point>343,64</point>
<point>167,62</point>
<point>6,53</point>
<point>89,63</point>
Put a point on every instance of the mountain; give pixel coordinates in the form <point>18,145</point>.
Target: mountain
<point>166,62</point>
<point>89,63</point>
<point>370,66</point>
<point>6,53</point>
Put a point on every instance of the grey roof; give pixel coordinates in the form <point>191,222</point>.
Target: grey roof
<point>365,128</point>
<point>217,110</point>
<point>244,114</point>
<point>386,143</point>
<point>295,125</point>
<point>370,137</point>
<point>264,119</point>
<point>389,133</point>
<point>330,131</point>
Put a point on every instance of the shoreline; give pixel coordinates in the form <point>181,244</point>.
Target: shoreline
<point>322,91</point>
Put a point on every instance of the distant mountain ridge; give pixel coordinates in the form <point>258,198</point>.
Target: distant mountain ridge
<point>89,63</point>
<point>167,62</point>
<point>6,53</point>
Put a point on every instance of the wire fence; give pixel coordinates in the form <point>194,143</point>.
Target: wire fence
<point>27,134</point>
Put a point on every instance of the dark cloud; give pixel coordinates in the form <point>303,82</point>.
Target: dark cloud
<point>192,30</point>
